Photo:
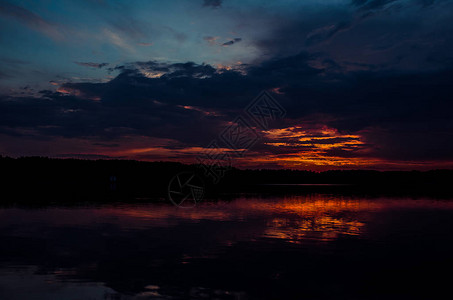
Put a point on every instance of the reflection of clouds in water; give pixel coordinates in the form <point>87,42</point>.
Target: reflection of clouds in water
<point>302,213</point>
<point>322,228</point>
<point>150,244</point>
<point>293,216</point>
<point>243,207</point>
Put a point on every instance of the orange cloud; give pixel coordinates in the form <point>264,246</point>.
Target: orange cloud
<point>314,148</point>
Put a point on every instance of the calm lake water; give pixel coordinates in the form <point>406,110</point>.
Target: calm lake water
<point>282,247</point>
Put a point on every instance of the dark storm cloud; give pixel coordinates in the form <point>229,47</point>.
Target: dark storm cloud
<point>401,116</point>
<point>130,104</point>
<point>382,34</point>
<point>91,64</point>
<point>188,69</point>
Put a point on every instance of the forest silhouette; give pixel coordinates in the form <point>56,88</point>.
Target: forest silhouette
<point>41,180</point>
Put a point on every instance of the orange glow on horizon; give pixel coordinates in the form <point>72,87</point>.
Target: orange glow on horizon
<point>296,147</point>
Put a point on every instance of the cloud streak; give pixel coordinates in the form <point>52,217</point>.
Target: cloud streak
<point>233,41</point>
<point>91,64</point>
<point>31,20</point>
<point>212,3</point>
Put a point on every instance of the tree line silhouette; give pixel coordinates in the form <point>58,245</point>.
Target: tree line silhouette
<point>51,180</point>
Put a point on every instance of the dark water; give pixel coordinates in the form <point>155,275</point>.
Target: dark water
<point>288,247</point>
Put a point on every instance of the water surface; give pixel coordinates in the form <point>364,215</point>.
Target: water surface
<point>279,247</point>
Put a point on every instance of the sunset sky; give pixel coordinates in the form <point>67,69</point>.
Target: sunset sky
<point>365,83</point>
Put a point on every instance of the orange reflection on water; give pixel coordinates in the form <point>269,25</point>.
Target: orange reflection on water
<point>323,228</point>
<point>293,219</point>
<point>321,218</point>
